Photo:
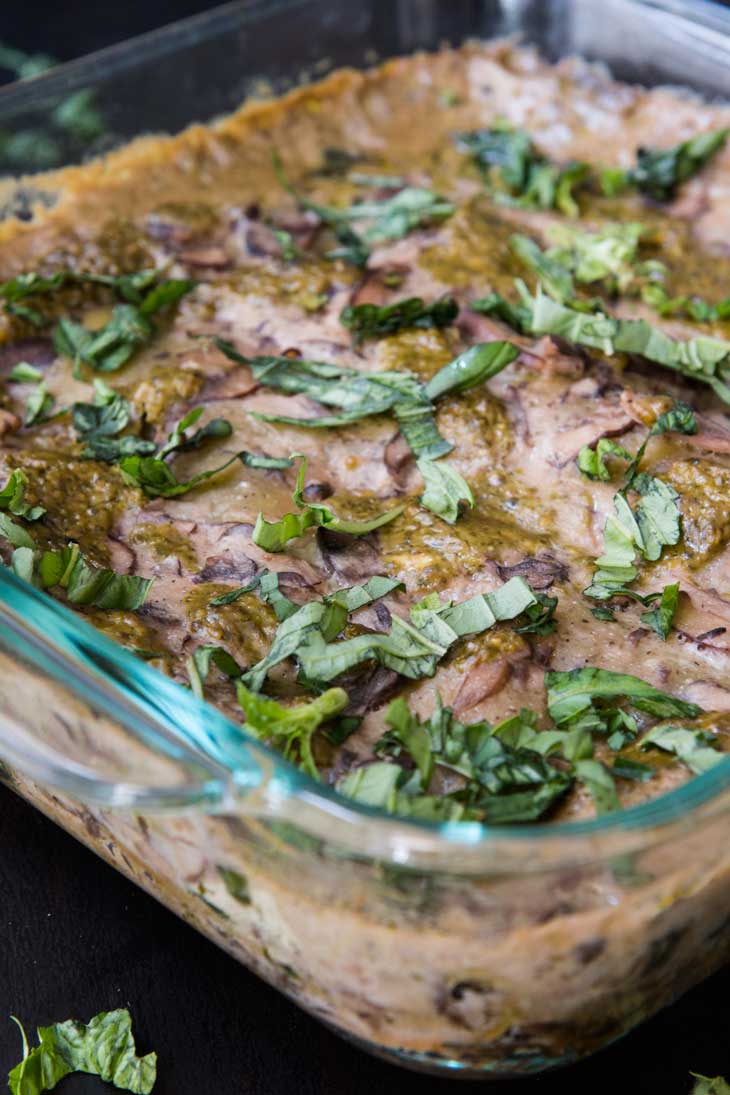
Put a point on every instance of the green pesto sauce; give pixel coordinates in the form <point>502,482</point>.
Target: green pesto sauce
<point>416,351</point>
<point>164,386</point>
<point>495,643</point>
<point>166,540</point>
<point>84,499</point>
<point>475,250</point>
<point>475,420</point>
<point>704,500</point>
<point>247,626</point>
<point>306,284</point>
<point>431,553</point>
<point>125,627</point>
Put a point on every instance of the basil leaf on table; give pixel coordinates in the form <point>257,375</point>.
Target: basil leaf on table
<point>102,1047</point>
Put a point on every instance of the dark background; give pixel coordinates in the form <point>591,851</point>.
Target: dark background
<point>78,939</point>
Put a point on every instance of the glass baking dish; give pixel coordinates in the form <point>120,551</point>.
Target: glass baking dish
<point>462,948</point>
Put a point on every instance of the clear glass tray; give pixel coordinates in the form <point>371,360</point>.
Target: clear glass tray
<point>454,947</point>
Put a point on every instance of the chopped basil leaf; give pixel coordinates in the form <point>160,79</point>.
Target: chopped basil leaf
<point>98,423</point>
<point>274,535</point>
<point>199,666</point>
<point>702,358</point>
<point>707,1086</point>
<point>22,563</point>
<point>38,405</point>
<point>12,497</point>
<point>696,748</point>
<point>475,366</point>
<point>390,218</point>
<point>505,781</point>
<point>15,533</point>
<point>393,218</point>
<point>599,781</point>
<point>86,584</point>
<point>23,373</point>
<point>506,771</point>
<point>108,348</point>
<point>659,172</point>
<point>353,597</point>
<point>359,395</point>
<point>164,294</point>
<point>592,462</point>
<point>625,768</point>
<point>554,276</point>
<point>446,490</point>
<point>103,1047</point>
<point>145,288</point>
<point>371,321</point>
<point>157,479</point>
<point>290,727</point>
<point>575,692</point>
<point>660,619</point>
<point>541,616</point>
<point>654,524</point>
<point>694,307</point>
<point>412,647</point>
<point>609,255</point>
<point>517,173</point>
<point>418,428</point>
<point>179,441</point>
<point>270,594</point>
<point>235,594</point>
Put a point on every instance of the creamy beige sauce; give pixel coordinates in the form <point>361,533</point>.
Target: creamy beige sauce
<point>198,203</point>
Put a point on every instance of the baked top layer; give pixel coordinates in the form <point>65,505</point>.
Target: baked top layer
<point>240,208</point>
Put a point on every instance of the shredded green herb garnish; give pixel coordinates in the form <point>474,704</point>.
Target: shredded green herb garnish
<point>358,395</point>
<point>704,1085</point>
<point>274,535</point>
<point>371,321</point>
<point>291,728</point>
<point>68,569</point>
<point>12,497</point>
<point>386,219</point>
<point>652,524</point>
<point>507,771</point>
<point>702,358</point>
<point>131,326</point>
<point>412,647</point>
<point>516,172</point>
<point>659,172</point>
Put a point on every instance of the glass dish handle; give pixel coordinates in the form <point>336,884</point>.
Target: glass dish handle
<point>82,715</point>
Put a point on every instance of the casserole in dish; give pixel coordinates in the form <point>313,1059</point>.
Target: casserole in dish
<point>456,945</point>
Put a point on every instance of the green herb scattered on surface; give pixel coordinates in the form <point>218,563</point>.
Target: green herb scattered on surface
<point>102,1047</point>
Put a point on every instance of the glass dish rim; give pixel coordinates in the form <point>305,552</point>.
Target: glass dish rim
<point>661,812</point>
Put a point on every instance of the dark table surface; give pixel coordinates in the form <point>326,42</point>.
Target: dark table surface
<point>77,938</point>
